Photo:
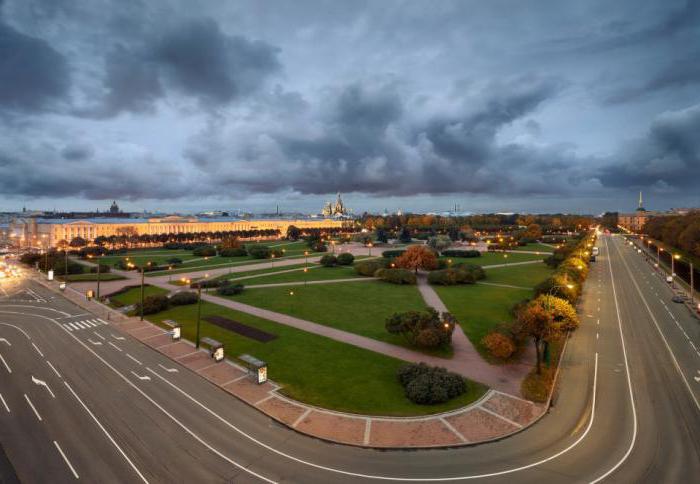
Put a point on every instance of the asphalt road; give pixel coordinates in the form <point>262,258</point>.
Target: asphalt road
<point>95,405</point>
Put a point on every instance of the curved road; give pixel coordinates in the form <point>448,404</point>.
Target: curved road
<point>95,405</point>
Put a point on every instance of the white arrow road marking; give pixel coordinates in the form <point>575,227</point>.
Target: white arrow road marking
<point>70,466</point>
<point>4,403</point>
<point>96,343</point>
<point>146,377</point>
<point>118,338</point>
<point>43,384</point>
<point>9,370</point>
<point>3,340</point>
<point>169,370</point>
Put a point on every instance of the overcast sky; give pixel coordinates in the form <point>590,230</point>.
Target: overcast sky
<point>537,106</point>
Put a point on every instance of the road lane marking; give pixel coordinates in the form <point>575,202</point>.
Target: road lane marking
<point>80,325</point>
<point>70,466</point>
<point>33,407</point>
<point>99,424</point>
<point>145,377</point>
<point>9,370</point>
<point>96,343</point>
<point>73,325</point>
<point>115,346</point>
<point>132,358</point>
<point>99,335</point>
<point>668,347</point>
<point>169,370</point>
<point>4,403</point>
<point>118,338</point>
<point>627,371</point>
<point>54,369</point>
<point>3,340</point>
<point>37,350</point>
<point>43,384</point>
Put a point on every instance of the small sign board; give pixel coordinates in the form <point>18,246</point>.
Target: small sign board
<point>175,329</point>
<point>90,294</point>
<point>50,275</point>
<point>62,286</point>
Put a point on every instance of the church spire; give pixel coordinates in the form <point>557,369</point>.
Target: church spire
<point>640,199</point>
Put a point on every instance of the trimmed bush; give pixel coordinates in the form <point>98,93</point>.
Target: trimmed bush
<point>345,259</point>
<point>426,385</point>
<point>259,251</point>
<point>477,272</point>
<point>103,269</point>
<point>390,254</point>
<point>174,260</point>
<point>413,324</point>
<point>329,260</point>
<point>183,298</point>
<point>461,253</point>
<point>230,289</point>
<point>499,345</point>
<point>369,267</point>
<point>396,276</point>
<point>153,304</point>
<point>204,251</point>
<point>233,252</point>
<point>450,277</point>
<point>319,247</point>
<point>205,284</point>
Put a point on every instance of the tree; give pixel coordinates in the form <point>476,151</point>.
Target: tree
<point>417,257</point>
<point>440,242</point>
<point>545,319</point>
<point>405,235</point>
<point>381,236</point>
<point>293,232</point>
<point>534,231</point>
<point>423,328</point>
<point>78,242</point>
<point>453,233</point>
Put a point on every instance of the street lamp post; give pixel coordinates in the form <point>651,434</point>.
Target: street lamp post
<point>674,257</point>
<point>370,249</point>
<point>199,308</point>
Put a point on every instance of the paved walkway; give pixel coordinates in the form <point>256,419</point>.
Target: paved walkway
<point>497,284</point>
<point>495,416</point>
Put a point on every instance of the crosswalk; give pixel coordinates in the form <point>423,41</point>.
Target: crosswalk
<point>84,324</point>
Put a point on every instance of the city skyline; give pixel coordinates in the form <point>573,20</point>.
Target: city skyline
<point>236,106</point>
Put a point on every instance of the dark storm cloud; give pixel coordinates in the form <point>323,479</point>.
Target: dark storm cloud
<point>33,76</point>
<point>668,156</point>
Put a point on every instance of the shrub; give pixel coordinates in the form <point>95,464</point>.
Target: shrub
<point>461,253</point>
<point>230,289</point>
<point>439,242</point>
<point>204,251</point>
<point>259,251</point>
<point>369,267</point>
<point>411,324</point>
<point>451,277</point>
<point>328,260</point>
<point>153,304</point>
<point>174,260</point>
<point>427,385</point>
<point>345,259</point>
<point>233,252</point>
<point>319,247</point>
<point>477,272</point>
<point>396,276</point>
<point>499,345</point>
<point>183,298</point>
<point>205,283</point>
<point>389,254</point>
<point>103,269</point>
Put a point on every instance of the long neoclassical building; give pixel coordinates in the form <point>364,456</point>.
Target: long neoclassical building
<point>48,232</point>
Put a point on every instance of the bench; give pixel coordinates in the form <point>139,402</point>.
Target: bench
<point>175,328</point>
<point>216,348</point>
<point>257,369</point>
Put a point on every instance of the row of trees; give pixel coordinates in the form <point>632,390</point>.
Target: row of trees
<point>681,231</point>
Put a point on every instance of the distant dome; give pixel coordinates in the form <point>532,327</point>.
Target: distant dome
<point>114,208</point>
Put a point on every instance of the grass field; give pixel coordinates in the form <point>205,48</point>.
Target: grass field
<point>356,307</point>
<point>315,273</point>
<point>133,296</point>
<point>526,276</point>
<point>314,369</point>
<point>491,258</point>
<point>479,308</point>
<point>91,277</point>
<point>536,247</point>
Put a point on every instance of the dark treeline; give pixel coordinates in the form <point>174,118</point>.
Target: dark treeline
<point>679,231</point>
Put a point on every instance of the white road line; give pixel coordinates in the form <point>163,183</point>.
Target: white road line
<point>74,326</point>
<point>42,383</point>
<point>70,466</point>
<point>9,370</point>
<point>80,325</point>
<point>169,370</point>
<point>145,377</point>
<point>4,403</point>
<point>118,338</point>
<point>65,325</point>
<point>54,369</point>
<point>3,340</point>
<point>96,343</point>
<point>115,346</point>
<point>105,430</point>
<point>132,358</point>
<point>38,350</point>
<point>99,335</point>
<point>33,407</point>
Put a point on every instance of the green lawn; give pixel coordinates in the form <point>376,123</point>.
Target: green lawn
<point>527,276</point>
<point>315,273</point>
<point>314,369</point>
<point>536,247</point>
<point>222,262</point>
<point>479,308</point>
<point>491,258</point>
<point>91,277</point>
<point>356,307</point>
<point>133,296</point>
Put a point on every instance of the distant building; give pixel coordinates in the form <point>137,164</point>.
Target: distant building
<point>634,222</point>
<point>336,209</point>
<point>114,208</point>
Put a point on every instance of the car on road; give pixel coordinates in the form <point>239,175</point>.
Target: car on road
<point>678,299</point>
<point>669,279</point>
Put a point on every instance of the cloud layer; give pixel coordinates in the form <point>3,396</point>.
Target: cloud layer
<point>154,101</point>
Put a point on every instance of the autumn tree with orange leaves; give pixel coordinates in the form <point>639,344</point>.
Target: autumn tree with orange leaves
<point>417,257</point>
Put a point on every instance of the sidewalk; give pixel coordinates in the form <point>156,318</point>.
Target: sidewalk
<point>495,416</point>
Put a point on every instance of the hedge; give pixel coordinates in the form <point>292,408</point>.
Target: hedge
<point>328,260</point>
<point>153,304</point>
<point>183,298</point>
<point>369,267</point>
<point>233,252</point>
<point>390,254</point>
<point>461,253</point>
<point>450,277</point>
<point>204,251</point>
<point>345,259</point>
<point>426,385</point>
<point>396,276</point>
<point>230,289</point>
